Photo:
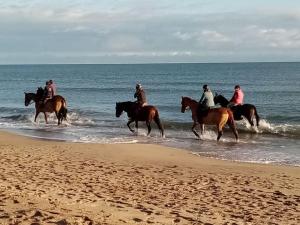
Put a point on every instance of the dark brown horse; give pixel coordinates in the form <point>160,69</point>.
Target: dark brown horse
<point>57,104</point>
<point>246,110</point>
<point>146,113</point>
<point>217,116</point>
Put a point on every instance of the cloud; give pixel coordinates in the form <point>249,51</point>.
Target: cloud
<point>183,36</point>
<point>187,30</point>
<point>281,37</point>
<point>213,36</point>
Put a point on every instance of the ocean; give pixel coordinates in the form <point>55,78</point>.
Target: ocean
<point>92,91</point>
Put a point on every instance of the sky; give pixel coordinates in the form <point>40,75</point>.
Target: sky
<point>148,31</point>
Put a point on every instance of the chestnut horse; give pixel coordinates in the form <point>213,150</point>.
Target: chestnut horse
<point>217,116</point>
<point>57,104</point>
<point>146,113</point>
<point>247,110</point>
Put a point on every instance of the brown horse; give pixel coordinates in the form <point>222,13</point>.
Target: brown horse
<point>217,116</point>
<point>246,110</point>
<point>146,113</point>
<point>57,104</point>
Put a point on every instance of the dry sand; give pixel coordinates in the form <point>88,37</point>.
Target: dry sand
<point>47,182</point>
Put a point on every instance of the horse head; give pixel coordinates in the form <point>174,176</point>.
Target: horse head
<point>119,109</point>
<point>184,103</point>
<point>220,99</point>
<point>28,98</point>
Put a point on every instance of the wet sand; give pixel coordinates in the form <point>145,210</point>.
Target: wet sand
<point>48,182</point>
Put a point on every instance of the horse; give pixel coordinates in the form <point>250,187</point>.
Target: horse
<point>56,104</point>
<point>216,116</point>
<point>146,113</point>
<point>247,110</point>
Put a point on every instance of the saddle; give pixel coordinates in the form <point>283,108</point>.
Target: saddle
<point>202,111</point>
<point>136,109</point>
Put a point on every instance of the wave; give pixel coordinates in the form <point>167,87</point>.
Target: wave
<point>76,119</point>
<point>265,127</point>
<point>21,120</point>
<point>13,109</point>
<point>20,117</point>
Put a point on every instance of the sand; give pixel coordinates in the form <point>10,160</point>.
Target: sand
<point>48,182</point>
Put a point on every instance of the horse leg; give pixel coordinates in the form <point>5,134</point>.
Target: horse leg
<point>58,117</point>
<point>250,118</point>
<point>256,117</point>
<point>149,127</point>
<point>46,119</point>
<point>194,131</point>
<point>128,125</point>
<point>220,132</point>
<point>202,128</point>
<point>159,125</point>
<point>234,130</point>
<point>136,126</point>
<point>36,115</point>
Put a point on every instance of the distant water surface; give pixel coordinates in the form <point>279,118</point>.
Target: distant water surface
<point>92,91</point>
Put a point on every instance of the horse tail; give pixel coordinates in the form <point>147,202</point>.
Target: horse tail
<point>231,124</point>
<point>158,122</point>
<point>63,110</point>
<point>230,117</point>
<point>256,117</point>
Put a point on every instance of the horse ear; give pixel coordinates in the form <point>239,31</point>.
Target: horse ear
<point>216,94</point>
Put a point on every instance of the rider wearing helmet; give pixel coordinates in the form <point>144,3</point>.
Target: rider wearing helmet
<point>140,95</point>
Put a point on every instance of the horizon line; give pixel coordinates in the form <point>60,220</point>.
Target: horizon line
<point>145,63</point>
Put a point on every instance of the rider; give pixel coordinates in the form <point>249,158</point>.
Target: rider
<point>140,96</point>
<point>206,102</point>
<point>48,92</point>
<point>237,98</point>
<point>207,98</point>
<point>53,87</point>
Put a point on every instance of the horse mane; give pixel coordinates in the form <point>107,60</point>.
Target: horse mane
<point>40,92</point>
<point>221,96</point>
<point>222,99</point>
<point>125,103</point>
<point>190,99</point>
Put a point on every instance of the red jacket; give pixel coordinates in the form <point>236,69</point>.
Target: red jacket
<point>238,97</point>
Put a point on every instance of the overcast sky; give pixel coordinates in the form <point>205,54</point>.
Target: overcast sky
<point>148,31</point>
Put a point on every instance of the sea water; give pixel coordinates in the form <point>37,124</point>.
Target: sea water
<point>92,91</point>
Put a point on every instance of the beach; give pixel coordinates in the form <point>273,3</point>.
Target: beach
<point>51,182</point>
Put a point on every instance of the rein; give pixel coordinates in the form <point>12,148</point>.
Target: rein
<point>31,102</point>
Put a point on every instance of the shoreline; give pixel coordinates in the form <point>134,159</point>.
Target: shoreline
<point>62,182</point>
<point>188,150</point>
